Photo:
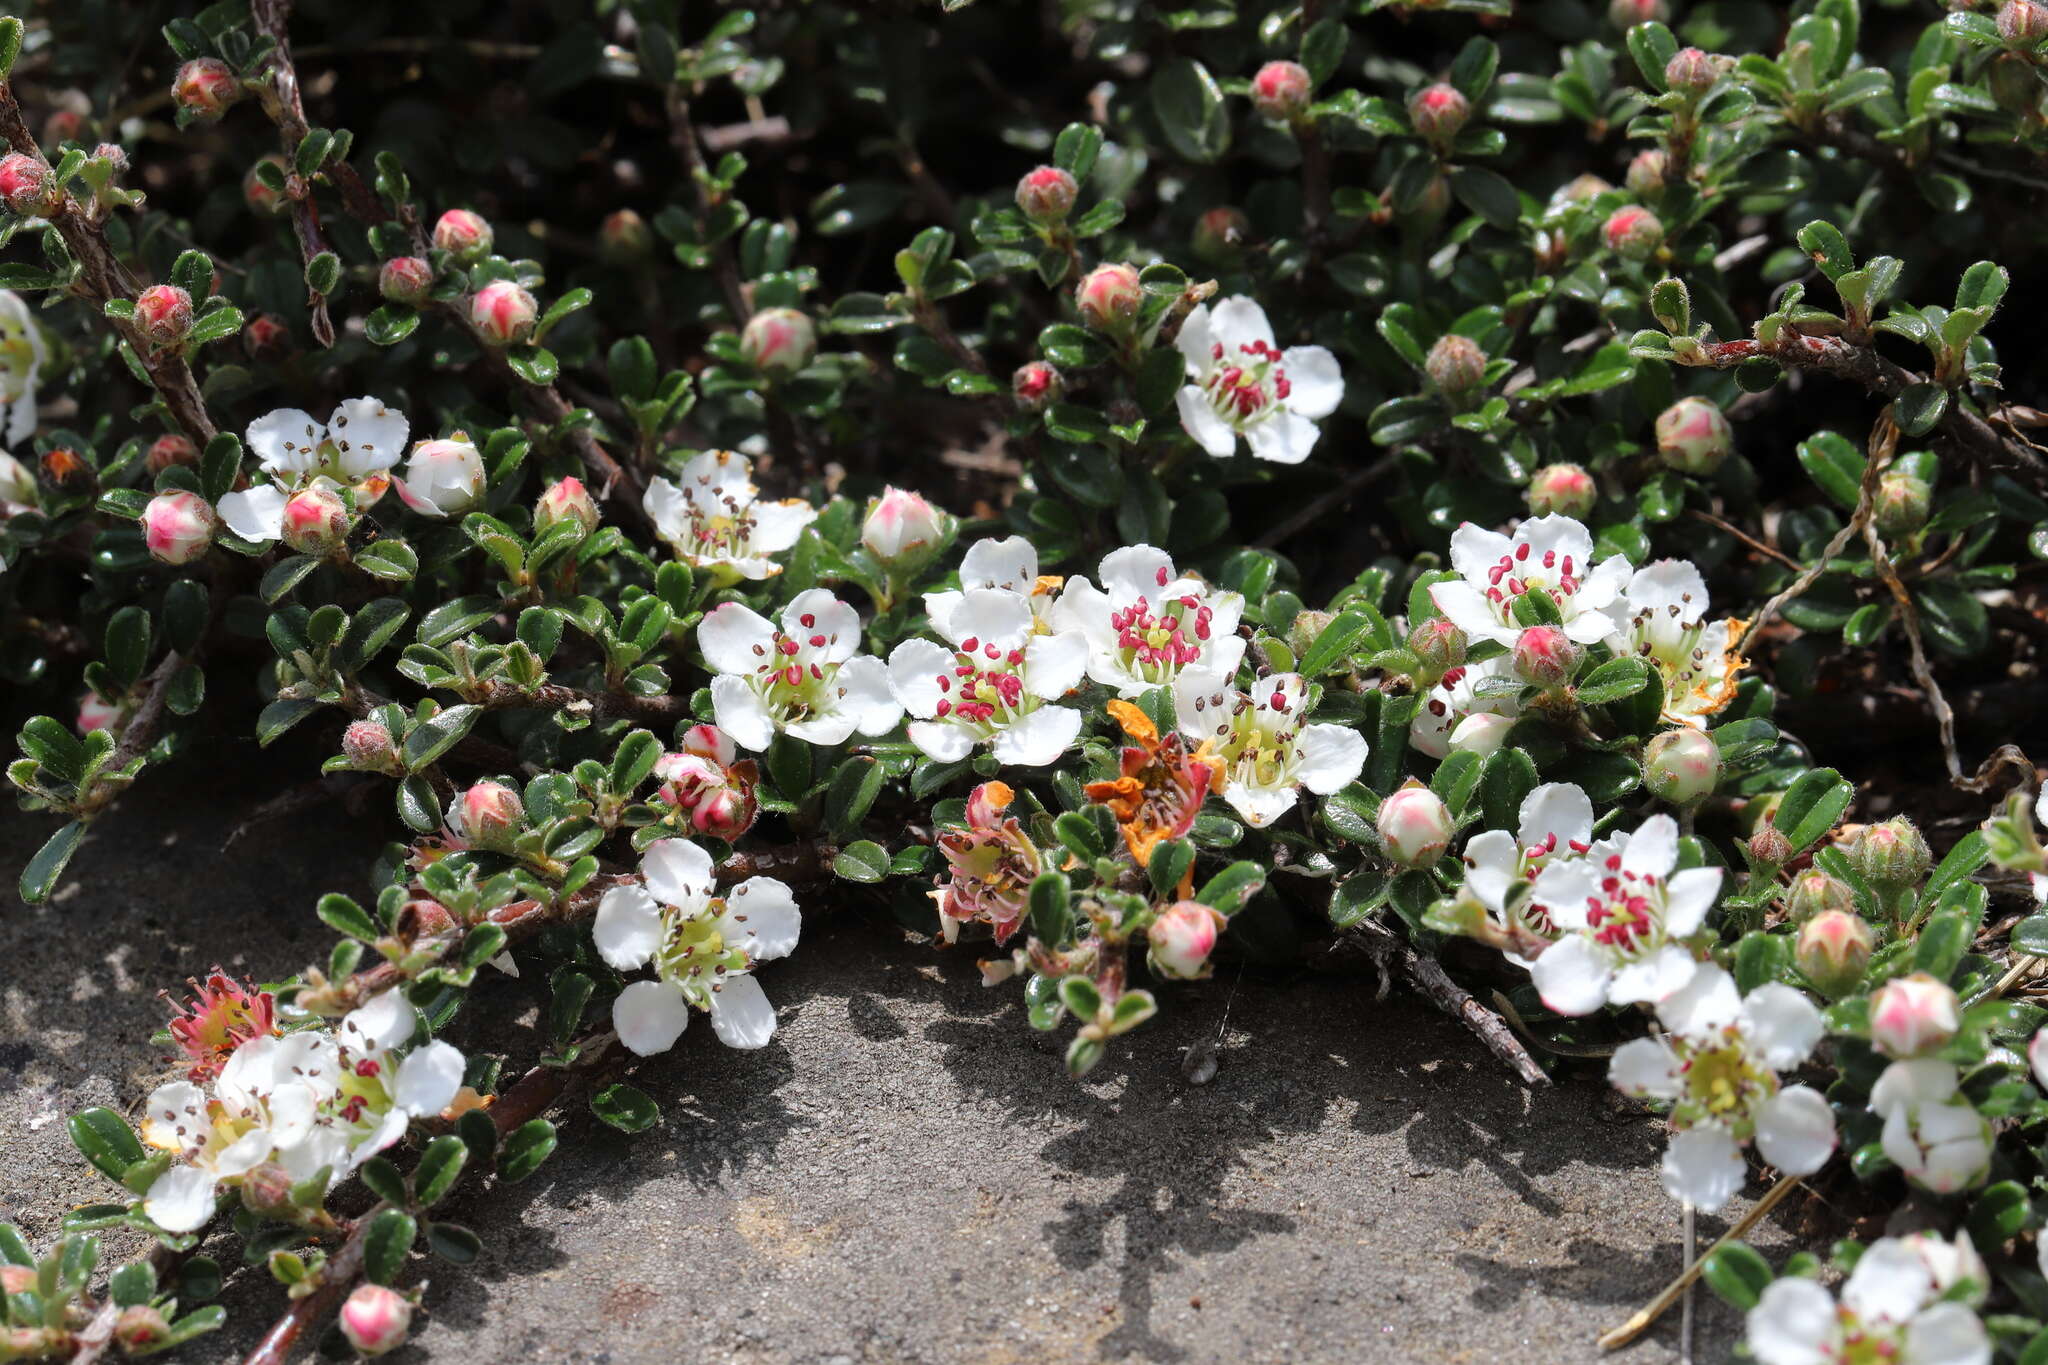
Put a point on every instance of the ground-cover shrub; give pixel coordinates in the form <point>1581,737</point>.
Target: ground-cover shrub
<point>1521,498</point>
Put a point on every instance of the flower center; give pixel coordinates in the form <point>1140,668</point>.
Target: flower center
<point>1244,388</point>
<point>1521,571</point>
<point>1723,1083</point>
<point>1155,646</point>
<point>1877,1343</point>
<point>693,949</point>
<point>984,688</point>
<point>1626,913</point>
<point>792,682</point>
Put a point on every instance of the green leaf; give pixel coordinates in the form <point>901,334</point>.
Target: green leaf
<point>39,878</point>
<point>1998,1215</point>
<point>392,1233</point>
<point>453,1242</point>
<point>1983,285</point>
<point>1653,47</point>
<point>1075,149</point>
<point>524,1148</point>
<point>1824,242</point>
<point>392,560</point>
<point>440,1167</point>
<point>384,1181</point>
<point>1334,642</point>
<point>1171,861</point>
<point>456,618</point>
<point>1080,996</point>
<point>1190,110</point>
<point>439,733</point>
<point>1613,680</point>
<point>1737,1273</point>
<point>344,916</point>
<point>863,861</point>
<point>1812,805</point>
<point>1487,194</point>
<point>104,1138</point>
<point>1919,407</point>
<point>625,1107</point>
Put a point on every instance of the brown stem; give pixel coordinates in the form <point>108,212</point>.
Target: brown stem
<point>555,697</point>
<point>288,111</point>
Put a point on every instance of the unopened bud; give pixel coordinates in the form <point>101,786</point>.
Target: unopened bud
<point>625,239</point>
<point>1046,195</point>
<point>1903,503</point>
<point>369,746</point>
<point>265,337</point>
<point>486,816</point>
<point>1566,489</point>
<point>1834,950</point>
<point>1913,1015</point>
<point>1221,234</point>
<point>1646,172</point>
<point>163,314</point>
<point>1626,14</point>
<point>113,154</point>
<point>1456,366</point>
<point>1580,188</point>
<point>463,235</point>
<point>1691,71</point>
<point>64,125</point>
<point>1182,938</point>
<point>1892,856</point>
<point>565,500</point>
<point>1814,893</point>
<point>1036,384</point>
<point>267,1188</point>
<point>1280,90</point>
<point>1439,644</point>
<point>171,449</point>
<point>779,341</point>
<point>260,196</point>
<point>2022,24</point>
<point>1682,765</point>
<point>139,1328</point>
<point>1437,113</point>
<point>1415,826</point>
<point>1693,436</point>
<point>1108,297</point>
<point>901,527</point>
<point>26,185</point>
<point>1303,630</point>
<point>94,714</point>
<point>725,814</point>
<point>1546,657</point>
<point>1633,232</point>
<point>205,87</point>
<point>1768,846</point>
<point>503,313</point>
<point>443,477</point>
<point>375,1319</point>
<point>178,526</point>
<point>405,279</point>
<point>315,520</point>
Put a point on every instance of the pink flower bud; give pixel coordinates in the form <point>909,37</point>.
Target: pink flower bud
<point>113,153</point>
<point>1437,112</point>
<point>1046,195</point>
<point>503,313</point>
<point>901,525</point>
<point>1415,826</point>
<point>260,196</point>
<point>1281,89</point>
<point>1814,893</point>
<point>1893,857</point>
<point>1182,938</point>
<point>375,1319</point>
<point>1634,232</point>
<point>178,526</point>
<point>205,87</point>
<point>487,816</point>
<point>565,500</point>
<point>94,714</point>
<point>780,341</point>
<point>1221,234</point>
<point>725,814</point>
<point>163,314</point>
<point>1834,948</point>
<point>169,450</point>
<point>265,337</point>
<point>1691,71</point>
<point>26,186</point>
<point>140,1327</point>
<point>1768,847</point>
<point>1626,14</point>
<point>624,238</point>
<point>1562,488</point>
<point>1913,1015</point>
<point>65,125</point>
<point>988,805</point>
<point>1693,437</point>
<point>463,235</point>
<point>405,279</point>
<point>1903,503</point>
<point>315,520</point>
<point>443,477</point>
<point>708,741</point>
<point>1580,188</point>
<point>1440,645</point>
<point>1646,172</point>
<point>1108,297</point>
<point>1036,384</point>
<point>687,778</point>
<point>1456,366</point>
<point>1546,657</point>
<point>1682,765</point>
<point>369,746</point>
<point>2022,23</point>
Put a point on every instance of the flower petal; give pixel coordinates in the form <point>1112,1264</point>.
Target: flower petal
<point>735,639</point>
<point>1038,738</point>
<point>1687,898</point>
<point>181,1199</point>
<point>1794,1323</point>
<point>255,513</point>
<point>286,440</point>
<point>368,435</point>
<point>865,695</point>
<point>1315,378</point>
<point>650,1016</point>
<point>1556,808</point>
<point>678,873</point>
<point>1645,1067</point>
<point>386,1021</point>
<point>741,713</point>
<point>1238,321</point>
<point>1135,571</point>
<point>1655,978</point>
<point>916,668</point>
<point>815,612</point>
<point>761,918</point>
<point>1783,1024</point>
<point>1703,1167</point>
<point>1284,438</point>
<point>1006,562</point>
<point>1331,756</point>
<point>428,1079</point>
<point>1947,1334</point>
<point>1200,421</point>
<point>778,523</point>
<point>1054,664</point>
<point>741,1014</point>
<point>1572,976</point>
<point>941,740</point>
<point>1891,1283</point>
<point>1795,1130</point>
<point>1652,850</point>
<point>627,929</point>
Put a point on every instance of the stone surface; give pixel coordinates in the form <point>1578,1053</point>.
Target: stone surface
<point>906,1174</point>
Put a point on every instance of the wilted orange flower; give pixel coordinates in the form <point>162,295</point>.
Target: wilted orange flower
<point>222,1015</point>
<point>1160,787</point>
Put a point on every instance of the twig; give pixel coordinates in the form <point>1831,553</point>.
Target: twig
<point>1909,617</point>
<point>1635,1326</point>
<point>1884,438</point>
<point>683,136</point>
<point>1429,977</point>
<point>288,111</point>
<point>555,697</point>
<point>1745,537</point>
<point>1351,483</point>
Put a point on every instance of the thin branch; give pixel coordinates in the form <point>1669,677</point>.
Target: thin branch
<point>1884,438</point>
<point>599,705</point>
<point>1746,538</point>
<point>1909,617</point>
<point>288,111</point>
<point>1326,502</point>
<point>683,136</point>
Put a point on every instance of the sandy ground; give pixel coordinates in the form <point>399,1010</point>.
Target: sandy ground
<point>906,1173</point>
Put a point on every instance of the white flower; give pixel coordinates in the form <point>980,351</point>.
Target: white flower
<point>992,685</point>
<point>357,446</point>
<point>1454,716</point>
<point>1145,624</point>
<point>380,1095</point>
<point>1011,564</point>
<point>22,353</point>
<point>1717,1068</point>
<point>1265,749</point>
<point>1241,384</point>
<point>1556,824</point>
<point>1892,1309</point>
<point>443,477</point>
<point>1622,911</point>
<point>802,680</point>
<point>702,946</point>
<point>1661,617</point>
<point>1550,555</point>
<point>714,517</point>
<point>1931,1131</point>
